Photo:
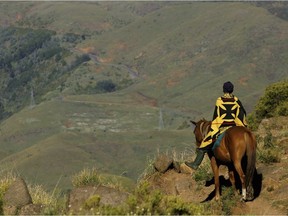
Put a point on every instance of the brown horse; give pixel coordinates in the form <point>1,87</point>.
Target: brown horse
<point>237,147</point>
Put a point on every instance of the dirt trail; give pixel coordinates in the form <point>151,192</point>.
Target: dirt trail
<point>271,188</point>
<point>260,206</point>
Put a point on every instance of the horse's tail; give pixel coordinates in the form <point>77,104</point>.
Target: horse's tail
<point>251,162</point>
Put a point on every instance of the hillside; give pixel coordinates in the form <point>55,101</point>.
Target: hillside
<point>108,84</point>
<point>143,48</point>
<point>64,136</point>
<point>168,188</point>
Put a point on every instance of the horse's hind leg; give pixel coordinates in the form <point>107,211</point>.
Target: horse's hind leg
<point>237,165</point>
<point>232,180</point>
<point>215,169</point>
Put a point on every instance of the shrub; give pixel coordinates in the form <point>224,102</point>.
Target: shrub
<point>86,177</point>
<point>252,121</point>
<point>105,86</point>
<point>53,202</point>
<point>269,156</point>
<point>175,206</point>
<point>6,179</point>
<point>204,172</point>
<point>92,202</point>
<point>148,201</point>
<point>229,200</point>
<point>282,109</point>
<point>268,141</point>
<point>274,102</point>
<point>269,153</point>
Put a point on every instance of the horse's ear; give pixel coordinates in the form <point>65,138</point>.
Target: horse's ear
<point>193,125</point>
<point>193,122</point>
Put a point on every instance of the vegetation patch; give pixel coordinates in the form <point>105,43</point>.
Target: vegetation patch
<point>273,103</point>
<point>86,177</point>
<point>269,153</point>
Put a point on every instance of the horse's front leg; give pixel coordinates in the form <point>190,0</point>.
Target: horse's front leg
<point>215,169</point>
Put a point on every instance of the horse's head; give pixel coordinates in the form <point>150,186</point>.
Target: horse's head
<point>201,128</point>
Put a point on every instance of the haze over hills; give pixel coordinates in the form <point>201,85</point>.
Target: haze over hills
<point>108,84</point>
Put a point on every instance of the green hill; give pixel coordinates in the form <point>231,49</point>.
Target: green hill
<point>58,138</point>
<point>108,84</point>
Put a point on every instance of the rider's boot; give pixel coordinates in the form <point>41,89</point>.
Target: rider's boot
<point>199,158</point>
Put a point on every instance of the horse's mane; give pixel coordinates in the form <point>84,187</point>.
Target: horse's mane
<point>204,120</point>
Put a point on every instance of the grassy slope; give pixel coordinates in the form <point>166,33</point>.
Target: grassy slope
<point>181,63</point>
<point>73,135</point>
<point>184,58</point>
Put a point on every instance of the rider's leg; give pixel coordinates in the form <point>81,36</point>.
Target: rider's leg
<point>199,157</point>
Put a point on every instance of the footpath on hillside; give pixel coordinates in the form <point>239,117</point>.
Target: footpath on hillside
<point>272,199</point>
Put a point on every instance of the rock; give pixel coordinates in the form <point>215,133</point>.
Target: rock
<point>178,184</point>
<point>16,197</point>
<point>176,166</point>
<point>32,209</point>
<point>162,163</point>
<point>9,210</point>
<point>108,196</point>
<point>185,169</point>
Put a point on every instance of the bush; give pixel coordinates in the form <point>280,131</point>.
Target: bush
<point>38,194</point>
<point>269,156</point>
<point>274,102</point>
<point>146,201</point>
<point>269,153</point>
<point>204,172</point>
<point>92,202</point>
<point>6,179</point>
<point>282,109</point>
<point>86,177</point>
<point>252,122</point>
<point>105,86</point>
<point>229,200</point>
<point>51,201</point>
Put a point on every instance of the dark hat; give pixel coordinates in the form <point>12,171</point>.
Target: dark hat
<point>228,87</point>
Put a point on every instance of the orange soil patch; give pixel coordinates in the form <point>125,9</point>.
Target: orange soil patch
<point>105,25</point>
<point>105,60</point>
<point>87,49</point>
<point>18,16</point>
<point>243,81</point>
<point>120,46</point>
<point>252,65</point>
<point>143,99</point>
<point>175,78</point>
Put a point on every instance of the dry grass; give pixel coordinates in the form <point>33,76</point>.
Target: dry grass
<point>86,177</point>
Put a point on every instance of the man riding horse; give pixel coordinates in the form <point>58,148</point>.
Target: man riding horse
<point>228,112</point>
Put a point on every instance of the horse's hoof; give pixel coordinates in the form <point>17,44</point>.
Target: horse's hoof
<point>250,198</point>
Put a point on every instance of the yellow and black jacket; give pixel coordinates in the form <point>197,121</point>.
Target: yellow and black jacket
<point>228,112</point>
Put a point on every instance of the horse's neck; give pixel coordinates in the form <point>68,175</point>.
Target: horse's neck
<point>204,128</point>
